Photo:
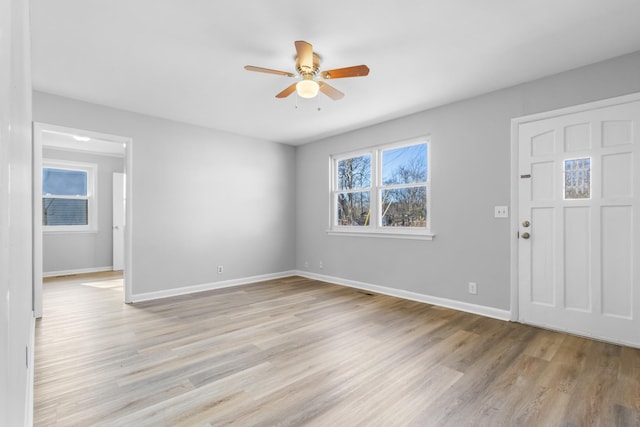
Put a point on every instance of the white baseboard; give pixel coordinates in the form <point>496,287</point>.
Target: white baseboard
<point>413,296</point>
<point>208,286</point>
<point>76,271</point>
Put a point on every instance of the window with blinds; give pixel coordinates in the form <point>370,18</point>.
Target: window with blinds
<point>68,196</point>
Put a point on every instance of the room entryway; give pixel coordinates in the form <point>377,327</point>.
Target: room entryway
<point>80,231</point>
<point>578,230</point>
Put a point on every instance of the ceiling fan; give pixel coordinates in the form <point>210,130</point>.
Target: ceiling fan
<point>308,68</point>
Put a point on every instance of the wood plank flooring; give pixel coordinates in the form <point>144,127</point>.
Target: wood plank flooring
<point>300,352</point>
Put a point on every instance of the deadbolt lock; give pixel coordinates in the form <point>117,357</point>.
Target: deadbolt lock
<point>526,223</point>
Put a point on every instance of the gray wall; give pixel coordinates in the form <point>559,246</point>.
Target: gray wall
<point>201,197</point>
<point>63,252</point>
<point>470,166</point>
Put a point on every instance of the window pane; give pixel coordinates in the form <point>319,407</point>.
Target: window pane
<point>353,208</point>
<point>64,211</point>
<point>354,173</point>
<point>404,207</point>
<point>64,182</point>
<point>577,178</point>
<point>405,165</point>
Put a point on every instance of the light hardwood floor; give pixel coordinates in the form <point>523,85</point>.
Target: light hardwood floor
<point>300,352</point>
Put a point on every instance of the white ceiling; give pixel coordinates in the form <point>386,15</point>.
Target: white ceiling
<point>183,60</point>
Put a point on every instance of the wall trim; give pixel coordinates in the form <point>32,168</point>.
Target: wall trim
<point>150,296</point>
<point>481,310</point>
<point>578,108</point>
<point>413,296</point>
<point>76,271</point>
<point>29,392</point>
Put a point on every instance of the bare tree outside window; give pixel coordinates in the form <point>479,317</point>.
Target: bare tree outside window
<point>354,206</point>
<point>382,190</point>
<point>64,197</point>
<point>404,193</point>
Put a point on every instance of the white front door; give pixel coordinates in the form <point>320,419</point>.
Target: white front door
<point>118,220</point>
<point>579,223</point>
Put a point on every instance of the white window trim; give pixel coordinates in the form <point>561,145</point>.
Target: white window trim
<point>92,196</point>
<point>376,229</point>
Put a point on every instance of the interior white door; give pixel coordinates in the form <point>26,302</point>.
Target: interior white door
<point>579,223</point>
<point>119,201</point>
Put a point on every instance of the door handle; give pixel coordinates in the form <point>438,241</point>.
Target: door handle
<point>525,235</point>
<point>116,227</point>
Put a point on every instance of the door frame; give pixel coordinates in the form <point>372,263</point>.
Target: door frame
<point>515,154</point>
<point>38,129</point>
<point>118,202</point>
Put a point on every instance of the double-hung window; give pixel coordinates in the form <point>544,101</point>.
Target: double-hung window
<point>68,196</point>
<point>382,191</point>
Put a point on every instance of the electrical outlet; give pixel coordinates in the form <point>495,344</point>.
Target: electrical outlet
<point>306,264</point>
<point>473,288</point>
<point>501,212</point>
<point>220,269</point>
<point>321,265</point>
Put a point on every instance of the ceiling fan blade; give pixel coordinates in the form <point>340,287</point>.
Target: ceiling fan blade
<point>330,91</point>
<point>340,73</point>
<point>288,91</point>
<point>305,54</point>
<point>268,70</point>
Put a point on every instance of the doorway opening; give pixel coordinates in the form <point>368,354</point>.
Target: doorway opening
<point>77,227</point>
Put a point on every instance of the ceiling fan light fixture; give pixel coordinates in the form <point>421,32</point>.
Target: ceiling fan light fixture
<point>307,88</point>
<point>308,68</point>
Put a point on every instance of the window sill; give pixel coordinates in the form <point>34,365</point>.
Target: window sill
<point>383,234</point>
<point>70,231</point>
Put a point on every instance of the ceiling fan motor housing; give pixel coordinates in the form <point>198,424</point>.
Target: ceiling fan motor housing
<point>305,69</point>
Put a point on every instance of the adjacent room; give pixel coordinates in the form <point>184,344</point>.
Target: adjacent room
<point>347,213</point>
